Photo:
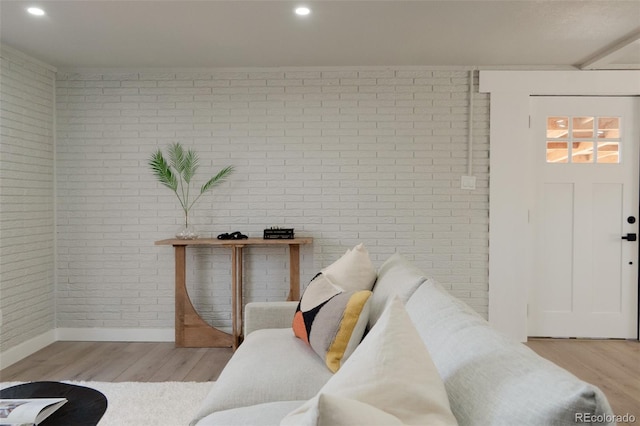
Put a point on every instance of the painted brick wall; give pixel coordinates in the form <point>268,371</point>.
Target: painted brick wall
<point>350,155</point>
<point>26,198</point>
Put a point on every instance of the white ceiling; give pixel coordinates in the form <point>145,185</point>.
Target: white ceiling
<point>181,33</point>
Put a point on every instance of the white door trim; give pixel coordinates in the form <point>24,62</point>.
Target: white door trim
<point>510,239</point>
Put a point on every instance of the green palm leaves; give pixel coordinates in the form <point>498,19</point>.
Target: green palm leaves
<point>176,174</point>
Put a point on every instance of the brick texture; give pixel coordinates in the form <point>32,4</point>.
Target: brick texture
<point>370,155</point>
<point>26,199</point>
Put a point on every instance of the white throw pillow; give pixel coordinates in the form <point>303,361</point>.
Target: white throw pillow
<point>338,411</point>
<point>392,372</point>
<point>353,271</point>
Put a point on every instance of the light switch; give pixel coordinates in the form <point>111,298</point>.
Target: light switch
<point>468,182</point>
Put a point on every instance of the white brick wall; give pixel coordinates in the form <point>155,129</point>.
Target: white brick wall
<point>348,155</point>
<point>26,198</point>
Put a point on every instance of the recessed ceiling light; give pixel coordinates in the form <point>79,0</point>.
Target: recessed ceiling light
<point>302,11</point>
<point>35,11</point>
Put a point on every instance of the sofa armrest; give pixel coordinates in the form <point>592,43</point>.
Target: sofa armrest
<point>259,315</point>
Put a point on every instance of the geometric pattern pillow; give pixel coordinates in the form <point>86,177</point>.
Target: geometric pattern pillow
<point>331,321</point>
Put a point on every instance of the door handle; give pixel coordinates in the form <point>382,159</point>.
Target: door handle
<point>630,237</point>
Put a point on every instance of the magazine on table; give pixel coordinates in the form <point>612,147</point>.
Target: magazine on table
<point>28,411</point>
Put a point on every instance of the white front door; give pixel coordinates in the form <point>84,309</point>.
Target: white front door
<point>585,155</point>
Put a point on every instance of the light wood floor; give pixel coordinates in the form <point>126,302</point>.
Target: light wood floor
<point>119,362</point>
<point>612,365</point>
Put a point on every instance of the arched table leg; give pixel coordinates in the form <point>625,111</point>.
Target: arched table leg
<point>191,330</point>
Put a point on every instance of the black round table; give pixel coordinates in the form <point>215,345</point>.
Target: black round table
<point>85,406</point>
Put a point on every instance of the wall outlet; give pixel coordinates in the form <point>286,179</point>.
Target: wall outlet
<point>468,182</point>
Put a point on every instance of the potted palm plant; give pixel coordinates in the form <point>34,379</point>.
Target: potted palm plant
<point>176,174</point>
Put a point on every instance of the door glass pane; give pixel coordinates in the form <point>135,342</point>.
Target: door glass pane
<point>608,152</point>
<point>557,127</point>
<point>582,152</point>
<point>557,151</point>
<point>582,127</point>
<point>609,127</point>
<point>583,139</point>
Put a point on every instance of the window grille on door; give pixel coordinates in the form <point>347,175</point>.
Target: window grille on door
<point>583,139</point>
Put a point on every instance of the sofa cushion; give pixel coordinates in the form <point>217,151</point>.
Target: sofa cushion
<point>332,321</point>
<point>396,277</point>
<point>261,315</point>
<point>353,271</point>
<point>270,365</point>
<point>491,379</point>
<point>268,414</point>
<point>390,370</point>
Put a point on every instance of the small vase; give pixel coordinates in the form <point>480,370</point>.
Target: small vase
<point>187,232</point>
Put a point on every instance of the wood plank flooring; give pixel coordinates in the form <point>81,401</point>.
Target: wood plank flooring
<point>119,362</point>
<point>612,365</point>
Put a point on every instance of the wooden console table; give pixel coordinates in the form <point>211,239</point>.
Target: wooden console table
<point>191,330</point>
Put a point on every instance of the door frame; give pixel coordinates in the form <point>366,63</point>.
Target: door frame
<point>510,233</point>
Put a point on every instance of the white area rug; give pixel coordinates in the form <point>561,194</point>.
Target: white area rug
<point>142,404</point>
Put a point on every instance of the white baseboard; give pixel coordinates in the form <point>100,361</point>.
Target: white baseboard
<point>24,349</point>
<point>116,334</point>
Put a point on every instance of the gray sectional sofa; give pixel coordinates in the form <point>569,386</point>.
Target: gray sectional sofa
<point>489,379</point>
